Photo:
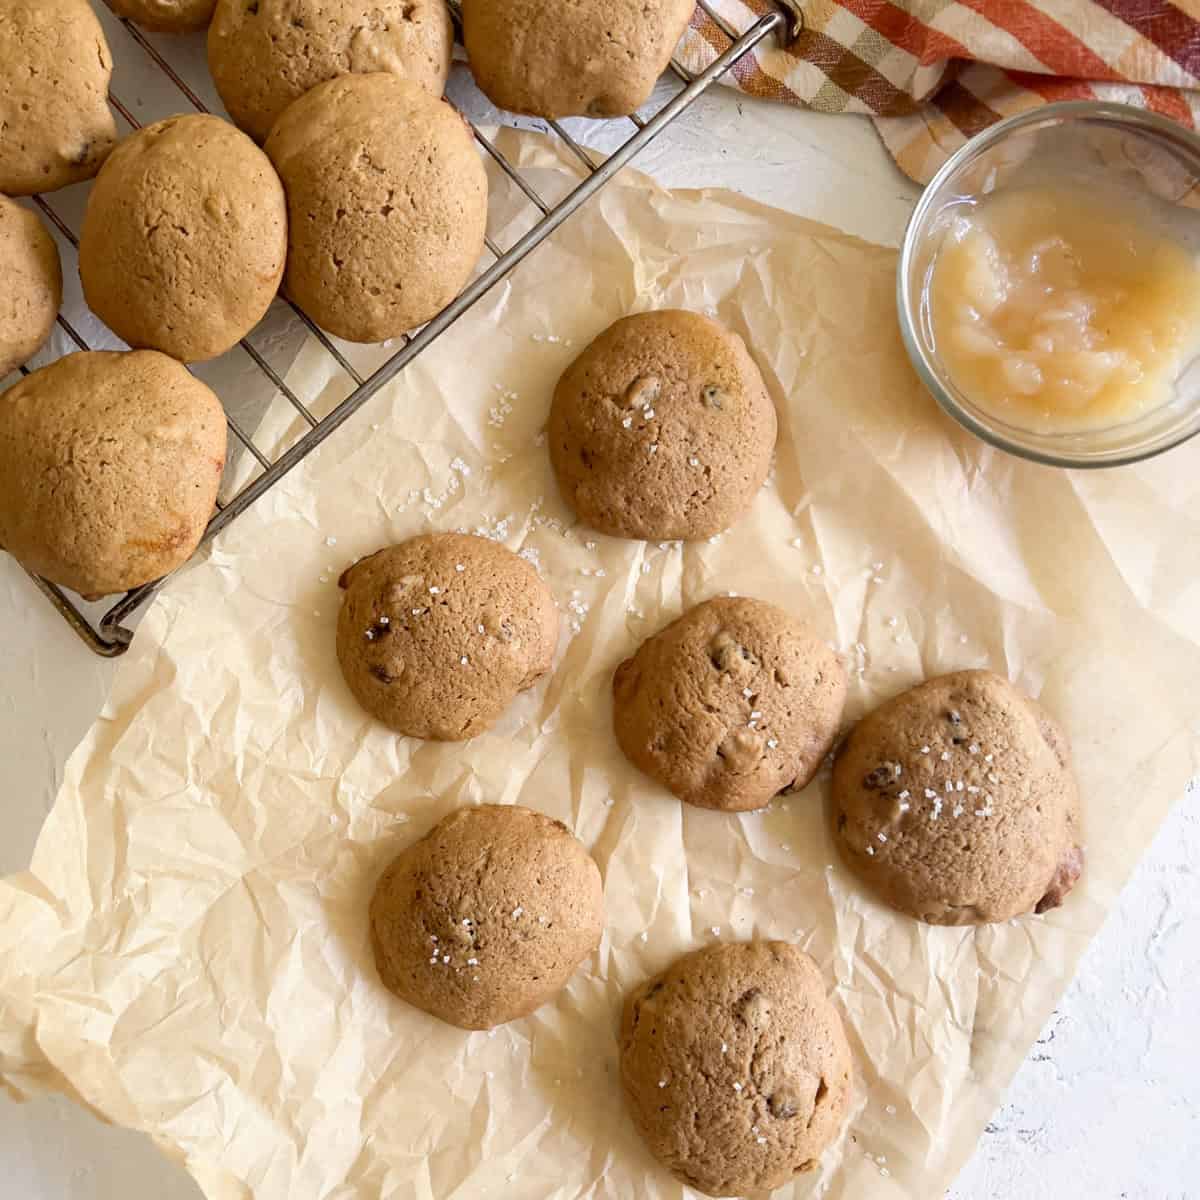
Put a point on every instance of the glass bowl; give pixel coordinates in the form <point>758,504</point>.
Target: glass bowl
<point>1133,148</point>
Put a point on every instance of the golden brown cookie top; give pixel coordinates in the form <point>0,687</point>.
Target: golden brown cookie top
<point>31,294</point>
<point>266,54</point>
<point>736,1067</point>
<point>438,635</point>
<point>662,428</point>
<point>166,16</point>
<point>185,238</point>
<point>731,704</point>
<point>956,802</point>
<point>109,468</point>
<point>590,58</point>
<point>487,917</point>
<point>388,204</point>
<point>55,124</point>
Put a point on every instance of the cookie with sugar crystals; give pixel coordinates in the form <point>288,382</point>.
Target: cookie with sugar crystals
<point>438,635</point>
<point>662,428</point>
<point>736,1067</point>
<point>956,803</point>
<point>731,704</point>
<point>488,916</point>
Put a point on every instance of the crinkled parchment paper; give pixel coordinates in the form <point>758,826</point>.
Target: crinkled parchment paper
<point>188,953</point>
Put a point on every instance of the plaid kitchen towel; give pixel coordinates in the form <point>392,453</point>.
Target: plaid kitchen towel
<point>932,73</point>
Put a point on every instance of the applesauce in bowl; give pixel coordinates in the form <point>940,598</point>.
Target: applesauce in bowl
<point>1049,285</point>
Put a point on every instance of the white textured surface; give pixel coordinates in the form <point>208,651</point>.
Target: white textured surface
<point>1107,1106</point>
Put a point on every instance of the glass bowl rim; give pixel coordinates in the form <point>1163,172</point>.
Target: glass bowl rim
<point>1057,113</point>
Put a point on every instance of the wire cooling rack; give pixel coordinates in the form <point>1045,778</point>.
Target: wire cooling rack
<point>108,633</point>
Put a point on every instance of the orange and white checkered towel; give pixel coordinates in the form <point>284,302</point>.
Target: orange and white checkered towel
<point>932,73</point>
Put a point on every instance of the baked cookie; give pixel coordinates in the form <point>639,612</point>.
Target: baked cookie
<point>736,1067</point>
<point>662,428</point>
<point>166,16</point>
<point>487,916</point>
<point>730,705</point>
<point>388,204</point>
<point>185,237</point>
<point>591,58</point>
<point>31,294</point>
<point>109,468</point>
<point>956,803</point>
<point>264,55</point>
<point>438,635</point>
<point>55,124</point>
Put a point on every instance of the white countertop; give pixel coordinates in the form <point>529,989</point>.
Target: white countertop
<point>1108,1105</point>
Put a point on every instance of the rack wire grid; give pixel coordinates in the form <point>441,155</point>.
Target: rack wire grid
<point>110,635</point>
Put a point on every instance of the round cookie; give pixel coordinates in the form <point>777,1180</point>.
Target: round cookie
<point>591,58</point>
<point>438,635</point>
<point>185,237</point>
<point>487,916</point>
<point>388,204</point>
<point>729,705</point>
<point>55,124</point>
<point>32,291</point>
<point>736,1067</point>
<point>109,469</point>
<point>956,803</point>
<point>662,428</point>
<point>166,16</point>
<point>265,55</point>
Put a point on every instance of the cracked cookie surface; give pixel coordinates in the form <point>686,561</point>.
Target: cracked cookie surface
<point>109,468</point>
<point>438,635</point>
<point>735,1066</point>
<point>957,804</point>
<point>731,704</point>
<point>55,124</point>
<point>33,283</point>
<point>387,204</point>
<point>185,236</point>
<point>662,428</point>
<point>590,58</point>
<point>487,917</point>
<point>166,16</point>
<point>264,54</point>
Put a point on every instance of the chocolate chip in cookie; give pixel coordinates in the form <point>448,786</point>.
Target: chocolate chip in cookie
<point>731,704</point>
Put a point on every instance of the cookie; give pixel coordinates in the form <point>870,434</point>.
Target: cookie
<point>736,1067</point>
<point>662,428</point>
<point>487,917</point>
<point>955,802</point>
<point>185,237</point>
<point>730,705</point>
<point>166,16</point>
<point>591,58</point>
<point>264,55</point>
<point>438,635</point>
<point>55,124</point>
<point>32,291</point>
<point>109,468</point>
<point>388,204</point>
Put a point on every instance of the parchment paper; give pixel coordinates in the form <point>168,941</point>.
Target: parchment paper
<point>188,953</point>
